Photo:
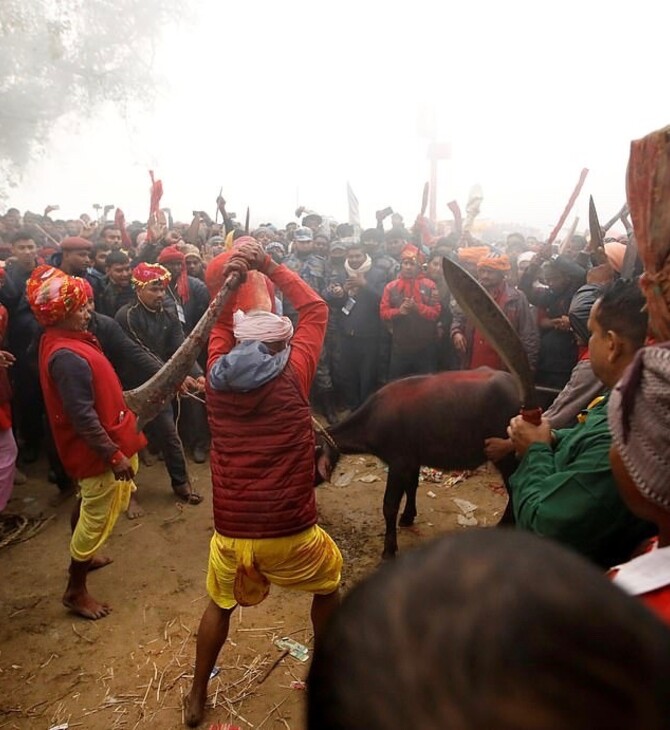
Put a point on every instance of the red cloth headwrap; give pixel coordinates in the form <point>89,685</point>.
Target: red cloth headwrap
<point>52,294</point>
<point>411,252</point>
<point>144,274</point>
<point>171,254</point>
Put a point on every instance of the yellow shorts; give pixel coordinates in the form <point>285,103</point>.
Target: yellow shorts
<point>241,571</point>
<point>103,498</point>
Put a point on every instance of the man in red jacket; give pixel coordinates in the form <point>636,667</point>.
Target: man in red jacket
<point>94,430</point>
<point>410,306</point>
<point>263,467</point>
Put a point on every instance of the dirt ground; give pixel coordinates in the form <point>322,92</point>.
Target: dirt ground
<point>131,669</point>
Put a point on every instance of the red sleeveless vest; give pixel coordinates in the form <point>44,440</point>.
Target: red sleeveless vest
<point>262,460</point>
<point>79,460</point>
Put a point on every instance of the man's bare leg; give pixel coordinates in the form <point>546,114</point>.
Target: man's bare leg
<point>77,598</point>
<point>322,608</point>
<point>212,635</point>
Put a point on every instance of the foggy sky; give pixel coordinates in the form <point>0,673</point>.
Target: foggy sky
<point>282,103</point>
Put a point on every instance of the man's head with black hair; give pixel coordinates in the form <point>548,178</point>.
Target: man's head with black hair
<point>489,629</point>
<point>101,250</point>
<point>111,235</point>
<point>618,327</point>
<point>24,249</point>
<point>621,308</point>
<point>118,268</point>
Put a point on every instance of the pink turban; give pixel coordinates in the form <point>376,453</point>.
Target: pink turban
<point>615,253</point>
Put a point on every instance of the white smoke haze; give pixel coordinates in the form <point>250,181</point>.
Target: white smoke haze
<point>282,103</point>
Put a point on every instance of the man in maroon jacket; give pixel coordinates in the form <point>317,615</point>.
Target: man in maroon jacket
<point>263,467</point>
<point>94,430</point>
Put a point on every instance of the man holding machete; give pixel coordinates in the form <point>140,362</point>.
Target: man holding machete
<point>563,487</point>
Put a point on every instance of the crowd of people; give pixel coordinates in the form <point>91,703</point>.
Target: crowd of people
<point>322,316</point>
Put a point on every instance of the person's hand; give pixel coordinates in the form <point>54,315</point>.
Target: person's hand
<point>88,229</point>
<point>561,323</point>
<point>460,343</point>
<point>158,227</point>
<point>524,433</point>
<point>336,290</point>
<point>355,281</point>
<point>435,296</point>
<point>123,471</point>
<point>237,267</point>
<point>6,359</point>
<point>189,384</point>
<point>404,307</point>
<point>497,449</point>
<point>220,202</point>
<point>255,256</point>
<point>200,384</point>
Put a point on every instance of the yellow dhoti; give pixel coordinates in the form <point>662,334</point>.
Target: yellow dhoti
<point>241,570</point>
<point>103,499</point>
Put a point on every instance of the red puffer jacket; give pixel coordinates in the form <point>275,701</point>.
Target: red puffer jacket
<point>262,454</point>
<point>262,460</point>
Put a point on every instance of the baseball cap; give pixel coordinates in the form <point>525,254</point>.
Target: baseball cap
<point>302,234</point>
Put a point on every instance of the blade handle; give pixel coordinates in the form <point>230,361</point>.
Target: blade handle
<point>532,415</point>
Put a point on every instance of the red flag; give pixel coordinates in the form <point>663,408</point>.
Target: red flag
<point>120,223</point>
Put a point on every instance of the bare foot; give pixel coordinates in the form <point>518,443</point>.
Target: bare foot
<point>98,561</point>
<point>194,710</point>
<point>134,510</point>
<point>85,605</point>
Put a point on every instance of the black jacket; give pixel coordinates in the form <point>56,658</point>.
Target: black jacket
<point>133,364</point>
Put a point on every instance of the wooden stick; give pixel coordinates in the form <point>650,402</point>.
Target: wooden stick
<point>272,667</point>
<point>568,207</point>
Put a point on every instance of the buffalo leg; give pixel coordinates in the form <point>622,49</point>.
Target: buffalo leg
<point>409,513</point>
<point>396,483</point>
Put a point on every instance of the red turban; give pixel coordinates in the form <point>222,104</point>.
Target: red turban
<point>144,274</point>
<point>495,261</point>
<point>52,294</point>
<point>172,255</point>
<point>411,252</point>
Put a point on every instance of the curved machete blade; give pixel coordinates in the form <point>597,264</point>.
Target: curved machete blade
<point>477,304</point>
<point>594,227</point>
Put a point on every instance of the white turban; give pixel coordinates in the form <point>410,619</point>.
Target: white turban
<point>262,326</point>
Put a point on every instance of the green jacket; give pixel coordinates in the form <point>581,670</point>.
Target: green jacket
<point>567,492</point>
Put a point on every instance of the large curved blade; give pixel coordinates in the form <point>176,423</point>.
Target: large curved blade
<point>594,227</point>
<point>475,301</point>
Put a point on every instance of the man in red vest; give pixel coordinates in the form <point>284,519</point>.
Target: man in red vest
<point>94,430</point>
<point>262,459</point>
